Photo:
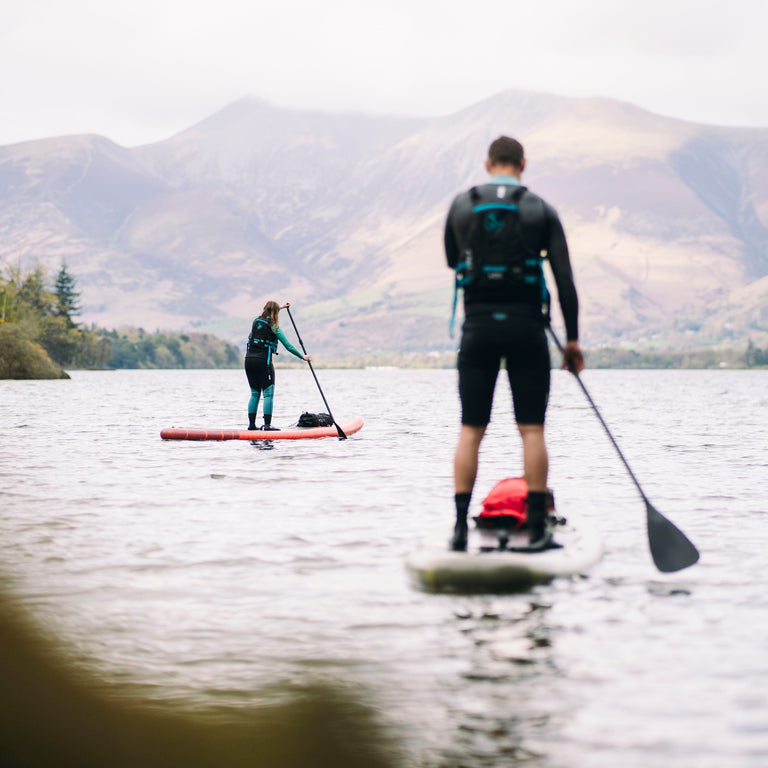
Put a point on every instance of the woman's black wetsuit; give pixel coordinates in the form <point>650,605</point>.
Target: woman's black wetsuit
<point>259,368</point>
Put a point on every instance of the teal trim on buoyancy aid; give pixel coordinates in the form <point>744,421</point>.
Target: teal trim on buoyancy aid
<point>496,260</point>
<point>262,337</point>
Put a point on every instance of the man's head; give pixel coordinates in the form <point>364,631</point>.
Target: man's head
<point>505,157</point>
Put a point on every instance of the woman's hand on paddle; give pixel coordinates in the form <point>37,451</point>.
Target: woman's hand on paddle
<point>573,358</point>
<point>286,305</point>
<point>307,358</point>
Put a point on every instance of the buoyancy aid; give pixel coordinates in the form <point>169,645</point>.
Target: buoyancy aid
<point>261,338</point>
<point>498,266</point>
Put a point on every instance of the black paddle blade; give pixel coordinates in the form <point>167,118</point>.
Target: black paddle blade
<point>342,436</point>
<point>670,548</point>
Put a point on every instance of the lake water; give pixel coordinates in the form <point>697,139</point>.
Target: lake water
<point>199,573</point>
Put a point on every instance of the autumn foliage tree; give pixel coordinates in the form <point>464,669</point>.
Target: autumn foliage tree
<point>39,335</point>
<point>37,318</point>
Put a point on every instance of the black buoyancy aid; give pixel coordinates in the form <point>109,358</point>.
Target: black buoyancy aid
<point>496,256</point>
<point>262,338</point>
<point>498,265</point>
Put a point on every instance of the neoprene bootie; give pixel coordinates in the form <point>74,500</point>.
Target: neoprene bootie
<point>458,542</point>
<point>268,424</point>
<point>539,533</point>
<point>251,421</point>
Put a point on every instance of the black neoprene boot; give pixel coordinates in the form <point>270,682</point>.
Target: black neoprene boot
<point>251,421</point>
<point>540,535</point>
<point>458,542</point>
<point>268,423</point>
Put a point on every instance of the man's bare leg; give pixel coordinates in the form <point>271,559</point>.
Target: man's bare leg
<point>536,469</point>
<point>464,473</point>
<point>535,458</point>
<point>465,461</point>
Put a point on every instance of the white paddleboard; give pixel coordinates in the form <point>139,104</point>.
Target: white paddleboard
<point>485,568</point>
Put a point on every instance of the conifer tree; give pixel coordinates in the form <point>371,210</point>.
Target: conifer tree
<point>67,297</point>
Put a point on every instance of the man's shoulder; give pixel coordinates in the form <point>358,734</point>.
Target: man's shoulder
<point>465,201</point>
<point>534,205</point>
<point>462,198</point>
<point>461,206</point>
<point>531,199</point>
<point>488,190</point>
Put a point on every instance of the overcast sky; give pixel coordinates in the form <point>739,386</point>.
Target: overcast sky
<point>139,71</point>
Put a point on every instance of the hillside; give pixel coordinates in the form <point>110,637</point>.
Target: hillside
<point>343,215</point>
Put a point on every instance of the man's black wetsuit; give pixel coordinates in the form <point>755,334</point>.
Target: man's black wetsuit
<point>499,323</point>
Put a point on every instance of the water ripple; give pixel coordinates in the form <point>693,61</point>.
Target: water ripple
<point>202,572</point>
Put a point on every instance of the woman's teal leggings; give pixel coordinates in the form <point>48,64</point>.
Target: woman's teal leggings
<point>253,403</point>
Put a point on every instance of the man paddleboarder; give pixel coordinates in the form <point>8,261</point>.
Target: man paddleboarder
<point>496,237</point>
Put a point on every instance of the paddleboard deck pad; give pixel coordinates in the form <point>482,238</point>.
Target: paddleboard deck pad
<point>485,568</point>
<point>349,427</point>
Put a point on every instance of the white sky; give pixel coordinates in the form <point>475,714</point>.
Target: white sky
<point>139,71</point>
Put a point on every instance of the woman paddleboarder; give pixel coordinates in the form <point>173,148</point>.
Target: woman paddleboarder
<point>259,368</point>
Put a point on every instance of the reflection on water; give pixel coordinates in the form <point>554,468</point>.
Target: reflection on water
<point>200,574</point>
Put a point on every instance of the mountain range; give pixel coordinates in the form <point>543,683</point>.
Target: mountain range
<point>343,215</point>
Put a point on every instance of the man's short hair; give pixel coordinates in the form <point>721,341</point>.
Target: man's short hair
<point>506,151</point>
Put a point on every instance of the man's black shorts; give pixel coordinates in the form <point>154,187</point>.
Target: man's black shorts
<point>522,341</point>
<point>260,375</point>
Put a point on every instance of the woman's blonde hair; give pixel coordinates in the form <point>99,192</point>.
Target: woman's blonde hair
<point>270,312</point>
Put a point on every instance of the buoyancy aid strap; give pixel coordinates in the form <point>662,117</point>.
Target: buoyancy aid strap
<point>459,282</point>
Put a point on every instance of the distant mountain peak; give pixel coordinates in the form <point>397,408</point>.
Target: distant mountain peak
<point>343,213</point>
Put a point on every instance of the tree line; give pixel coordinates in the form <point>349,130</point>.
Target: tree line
<point>40,335</point>
<point>620,357</point>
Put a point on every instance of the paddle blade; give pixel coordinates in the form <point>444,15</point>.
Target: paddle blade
<point>670,548</point>
<point>342,436</point>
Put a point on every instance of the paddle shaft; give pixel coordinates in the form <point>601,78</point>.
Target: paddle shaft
<point>342,436</point>
<point>601,420</point>
<point>670,548</point>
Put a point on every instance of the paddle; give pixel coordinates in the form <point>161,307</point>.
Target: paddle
<point>670,548</point>
<point>342,436</point>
